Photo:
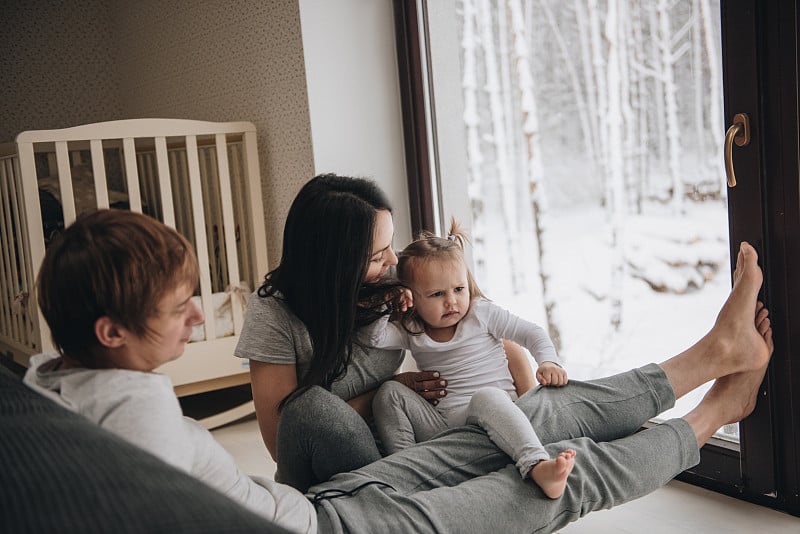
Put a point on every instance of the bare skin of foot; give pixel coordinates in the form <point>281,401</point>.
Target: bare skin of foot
<point>730,399</point>
<point>551,475</point>
<point>740,340</point>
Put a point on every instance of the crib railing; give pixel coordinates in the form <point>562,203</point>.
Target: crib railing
<point>17,327</point>
<point>201,178</point>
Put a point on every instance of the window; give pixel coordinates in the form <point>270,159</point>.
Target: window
<point>582,141</point>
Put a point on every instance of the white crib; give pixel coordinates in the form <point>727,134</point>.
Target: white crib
<point>201,178</point>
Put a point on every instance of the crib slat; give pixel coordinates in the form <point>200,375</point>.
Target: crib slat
<point>259,234</point>
<point>226,199</point>
<point>239,183</point>
<point>183,217</point>
<point>212,221</point>
<point>164,182</point>
<point>28,335</point>
<point>8,290</point>
<point>18,269</point>
<point>199,227</point>
<point>34,233</point>
<point>99,173</point>
<point>132,175</point>
<point>65,183</point>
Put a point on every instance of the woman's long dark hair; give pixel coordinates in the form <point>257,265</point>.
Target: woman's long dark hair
<point>327,245</point>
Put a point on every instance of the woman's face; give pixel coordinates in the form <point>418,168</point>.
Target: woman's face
<point>383,255</point>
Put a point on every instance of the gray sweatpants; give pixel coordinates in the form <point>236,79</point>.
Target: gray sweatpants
<point>461,482</point>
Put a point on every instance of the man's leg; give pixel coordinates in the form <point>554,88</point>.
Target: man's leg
<point>398,497</point>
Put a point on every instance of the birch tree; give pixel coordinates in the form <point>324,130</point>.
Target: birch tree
<point>615,188</point>
<point>502,165</point>
<point>588,127</point>
<point>472,122</point>
<point>533,153</point>
<point>712,50</point>
<point>667,41</point>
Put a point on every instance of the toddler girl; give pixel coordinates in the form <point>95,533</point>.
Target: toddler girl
<point>449,326</point>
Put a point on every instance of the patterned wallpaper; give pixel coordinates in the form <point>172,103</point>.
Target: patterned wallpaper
<point>220,60</point>
<point>57,65</point>
<point>81,61</point>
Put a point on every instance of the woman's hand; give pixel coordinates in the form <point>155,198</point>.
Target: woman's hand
<point>428,384</point>
<point>551,374</point>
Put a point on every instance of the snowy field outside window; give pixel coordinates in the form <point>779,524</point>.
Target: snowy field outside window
<point>594,136</point>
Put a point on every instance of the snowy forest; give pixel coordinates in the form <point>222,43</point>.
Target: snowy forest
<point>594,133</point>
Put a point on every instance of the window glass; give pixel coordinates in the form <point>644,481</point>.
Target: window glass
<point>593,138</point>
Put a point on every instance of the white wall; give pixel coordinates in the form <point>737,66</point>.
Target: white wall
<point>354,96</point>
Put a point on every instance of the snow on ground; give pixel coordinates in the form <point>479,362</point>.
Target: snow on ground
<point>655,325</point>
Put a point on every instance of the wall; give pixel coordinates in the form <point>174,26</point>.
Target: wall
<point>58,66</point>
<point>220,61</point>
<point>81,61</point>
<point>354,96</point>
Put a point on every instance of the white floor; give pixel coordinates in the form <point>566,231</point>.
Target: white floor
<point>677,508</point>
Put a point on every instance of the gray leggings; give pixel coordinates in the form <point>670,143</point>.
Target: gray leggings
<point>318,436</point>
<point>404,418</point>
<point>461,482</point>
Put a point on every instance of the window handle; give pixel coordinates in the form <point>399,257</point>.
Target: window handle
<point>739,132</point>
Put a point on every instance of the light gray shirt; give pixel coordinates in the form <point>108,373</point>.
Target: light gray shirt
<point>142,409</point>
<point>273,334</point>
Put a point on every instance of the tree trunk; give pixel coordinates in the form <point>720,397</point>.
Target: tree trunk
<point>615,191</point>
<point>472,122</point>
<point>534,168</point>
<point>715,119</point>
<point>670,105</point>
<point>502,164</point>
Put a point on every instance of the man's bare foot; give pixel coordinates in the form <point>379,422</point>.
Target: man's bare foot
<point>741,339</point>
<point>730,399</point>
<point>735,320</point>
<point>551,475</point>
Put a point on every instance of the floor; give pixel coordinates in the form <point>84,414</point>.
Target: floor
<point>675,509</point>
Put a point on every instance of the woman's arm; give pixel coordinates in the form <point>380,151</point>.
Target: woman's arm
<point>271,383</point>
<point>519,366</point>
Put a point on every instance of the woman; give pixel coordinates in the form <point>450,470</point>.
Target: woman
<point>299,332</point>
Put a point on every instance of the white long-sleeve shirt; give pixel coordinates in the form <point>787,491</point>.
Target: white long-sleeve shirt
<point>473,358</point>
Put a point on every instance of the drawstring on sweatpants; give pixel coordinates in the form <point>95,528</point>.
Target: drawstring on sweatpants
<point>335,493</point>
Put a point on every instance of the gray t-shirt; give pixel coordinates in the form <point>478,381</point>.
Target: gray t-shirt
<point>273,334</point>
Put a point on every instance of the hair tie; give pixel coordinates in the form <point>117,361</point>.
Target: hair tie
<point>451,237</point>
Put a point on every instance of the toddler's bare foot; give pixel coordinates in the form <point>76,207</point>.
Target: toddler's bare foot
<point>551,475</point>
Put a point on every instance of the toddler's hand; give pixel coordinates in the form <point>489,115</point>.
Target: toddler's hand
<point>551,374</point>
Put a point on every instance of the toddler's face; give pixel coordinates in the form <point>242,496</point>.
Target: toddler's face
<point>441,292</point>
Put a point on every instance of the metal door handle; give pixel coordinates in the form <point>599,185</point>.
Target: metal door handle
<point>739,132</point>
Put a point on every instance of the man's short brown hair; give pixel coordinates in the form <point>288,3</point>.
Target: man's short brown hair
<point>113,263</point>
